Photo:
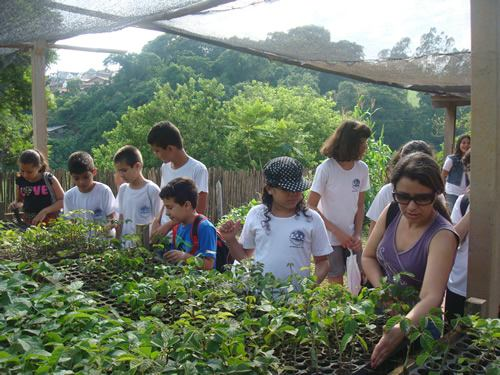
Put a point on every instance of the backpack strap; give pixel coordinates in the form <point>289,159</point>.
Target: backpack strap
<point>194,233</point>
<point>174,233</point>
<point>391,213</point>
<point>464,204</point>
<point>47,178</point>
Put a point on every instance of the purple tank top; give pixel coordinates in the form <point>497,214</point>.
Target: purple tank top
<point>413,260</point>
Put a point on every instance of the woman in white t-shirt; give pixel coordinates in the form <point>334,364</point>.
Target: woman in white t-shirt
<point>453,173</point>
<point>384,196</point>
<point>338,193</point>
<point>282,233</point>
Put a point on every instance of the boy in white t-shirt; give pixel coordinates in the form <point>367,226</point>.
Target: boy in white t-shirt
<point>338,193</point>
<point>166,143</point>
<point>138,198</point>
<point>87,194</point>
<point>94,197</point>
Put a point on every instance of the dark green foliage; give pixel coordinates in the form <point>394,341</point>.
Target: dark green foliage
<point>175,60</point>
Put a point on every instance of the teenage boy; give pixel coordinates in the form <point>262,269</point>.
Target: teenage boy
<point>94,197</point>
<point>166,143</point>
<point>138,198</point>
<point>180,198</point>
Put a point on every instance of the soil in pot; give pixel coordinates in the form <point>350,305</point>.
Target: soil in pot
<point>476,368</point>
<point>488,358</point>
<point>302,365</point>
<point>455,368</point>
<point>433,366</point>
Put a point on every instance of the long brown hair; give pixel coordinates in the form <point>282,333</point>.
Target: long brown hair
<point>422,168</point>
<point>459,152</point>
<point>345,142</point>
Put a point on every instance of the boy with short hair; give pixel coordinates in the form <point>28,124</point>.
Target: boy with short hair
<point>92,196</point>
<point>180,198</point>
<point>166,143</point>
<point>138,198</point>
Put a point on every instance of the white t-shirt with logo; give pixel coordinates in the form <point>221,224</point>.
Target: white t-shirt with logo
<point>450,188</point>
<point>457,282</point>
<point>288,244</point>
<point>100,202</point>
<point>339,190</point>
<point>138,206</point>
<point>193,169</point>
<point>381,200</point>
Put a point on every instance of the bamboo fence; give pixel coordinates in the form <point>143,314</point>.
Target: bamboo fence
<point>235,187</point>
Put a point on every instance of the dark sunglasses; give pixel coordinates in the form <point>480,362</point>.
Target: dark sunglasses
<point>419,199</point>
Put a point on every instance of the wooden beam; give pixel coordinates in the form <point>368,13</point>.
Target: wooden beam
<point>450,123</point>
<point>443,101</point>
<point>86,49</point>
<point>483,280</point>
<point>38,96</point>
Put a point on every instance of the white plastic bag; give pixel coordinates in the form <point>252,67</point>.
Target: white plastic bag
<point>353,274</point>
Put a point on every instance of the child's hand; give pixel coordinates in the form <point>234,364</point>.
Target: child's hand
<point>345,240</point>
<point>175,256</point>
<point>357,245</point>
<point>39,218</point>
<point>161,231</point>
<point>15,205</point>
<point>229,229</point>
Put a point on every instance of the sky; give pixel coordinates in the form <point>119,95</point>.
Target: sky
<point>375,24</point>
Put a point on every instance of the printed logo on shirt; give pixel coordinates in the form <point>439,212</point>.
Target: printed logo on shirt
<point>145,211</point>
<point>355,185</point>
<point>297,238</point>
<point>34,190</point>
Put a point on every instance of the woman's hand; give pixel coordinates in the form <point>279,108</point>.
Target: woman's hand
<point>388,343</point>
<point>229,229</point>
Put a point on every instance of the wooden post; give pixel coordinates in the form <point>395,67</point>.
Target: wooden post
<point>450,104</point>
<point>40,136</point>
<point>218,199</point>
<point>484,254</point>
<point>449,128</point>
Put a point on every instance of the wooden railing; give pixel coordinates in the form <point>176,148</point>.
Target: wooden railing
<point>235,187</point>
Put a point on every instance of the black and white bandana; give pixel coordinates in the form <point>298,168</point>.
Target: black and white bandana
<point>286,173</point>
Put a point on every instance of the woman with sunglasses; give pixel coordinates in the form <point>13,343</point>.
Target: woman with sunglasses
<point>419,240</point>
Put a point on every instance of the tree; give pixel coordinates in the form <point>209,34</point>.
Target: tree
<point>15,104</point>
<point>434,42</point>
<point>274,121</point>
<point>401,50</point>
<point>312,43</point>
<point>195,107</point>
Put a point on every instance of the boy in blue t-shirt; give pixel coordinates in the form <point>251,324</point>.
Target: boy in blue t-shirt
<point>180,197</point>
